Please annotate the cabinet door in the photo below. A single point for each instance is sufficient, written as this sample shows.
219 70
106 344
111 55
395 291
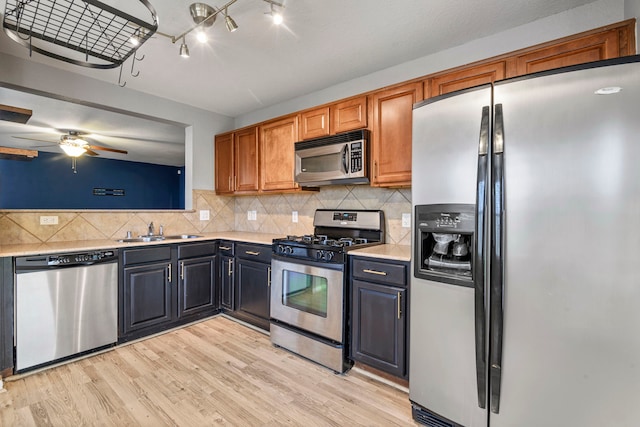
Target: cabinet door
592 47
226 283
224 163
246 160
466 78
253 288
391 135
379 326
314 123
349 115
147 295
196 287
277 163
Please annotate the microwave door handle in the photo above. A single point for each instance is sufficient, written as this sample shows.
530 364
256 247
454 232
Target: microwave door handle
345 152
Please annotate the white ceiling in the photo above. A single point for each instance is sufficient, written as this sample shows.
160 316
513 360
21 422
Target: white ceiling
321 44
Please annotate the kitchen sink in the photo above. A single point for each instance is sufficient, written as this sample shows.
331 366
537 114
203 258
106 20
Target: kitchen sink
157 238
141 239
182 236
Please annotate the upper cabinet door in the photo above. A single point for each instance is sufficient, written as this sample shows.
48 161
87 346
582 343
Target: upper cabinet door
465 78
605 43
246 160
277 155
314 123
391 134
349 115
224 163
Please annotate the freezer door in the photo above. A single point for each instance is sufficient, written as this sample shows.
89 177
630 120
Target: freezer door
571 342
443 370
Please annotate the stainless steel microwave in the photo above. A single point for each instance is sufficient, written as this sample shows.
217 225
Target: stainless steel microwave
331 160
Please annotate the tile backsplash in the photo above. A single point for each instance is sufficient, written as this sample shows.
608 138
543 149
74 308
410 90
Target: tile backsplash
273 215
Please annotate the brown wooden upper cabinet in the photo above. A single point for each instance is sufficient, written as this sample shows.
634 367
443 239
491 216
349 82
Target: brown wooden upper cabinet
605 43
277 154
391 128
465 78
388 114
350 114
236 161
224 163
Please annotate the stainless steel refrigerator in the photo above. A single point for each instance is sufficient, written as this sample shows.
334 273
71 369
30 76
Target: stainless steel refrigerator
525 287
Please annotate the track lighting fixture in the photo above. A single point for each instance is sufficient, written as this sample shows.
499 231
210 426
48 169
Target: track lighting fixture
184 49
204 16
229 22
276 15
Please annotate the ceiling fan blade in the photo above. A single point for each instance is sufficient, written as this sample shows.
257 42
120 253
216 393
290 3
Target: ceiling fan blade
35 139
113 150
91 152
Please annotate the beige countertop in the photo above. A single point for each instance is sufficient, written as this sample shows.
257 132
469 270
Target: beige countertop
89 245
394 252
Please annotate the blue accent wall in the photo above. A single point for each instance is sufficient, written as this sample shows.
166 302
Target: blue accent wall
48 182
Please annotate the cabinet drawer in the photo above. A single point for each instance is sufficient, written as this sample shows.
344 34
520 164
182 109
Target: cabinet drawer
154 254
377 271
196 249
226 247
260 253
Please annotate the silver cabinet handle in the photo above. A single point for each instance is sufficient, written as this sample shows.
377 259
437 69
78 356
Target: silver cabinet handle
269 278
379 273
229 271
169 267
225 248
399 305
182 270
252 253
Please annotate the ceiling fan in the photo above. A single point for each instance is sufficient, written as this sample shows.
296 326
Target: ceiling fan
76 143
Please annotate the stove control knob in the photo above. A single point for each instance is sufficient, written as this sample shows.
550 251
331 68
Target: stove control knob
288 249
329 256
281 248
320 254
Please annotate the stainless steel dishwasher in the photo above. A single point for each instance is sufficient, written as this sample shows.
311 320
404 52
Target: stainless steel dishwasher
66 304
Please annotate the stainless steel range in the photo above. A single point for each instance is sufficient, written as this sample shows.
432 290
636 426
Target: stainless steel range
309 282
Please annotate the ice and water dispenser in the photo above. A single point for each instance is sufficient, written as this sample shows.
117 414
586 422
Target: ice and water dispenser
444 243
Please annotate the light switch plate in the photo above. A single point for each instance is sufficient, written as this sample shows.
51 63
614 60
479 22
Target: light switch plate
406 220
294 216
49 220
204 215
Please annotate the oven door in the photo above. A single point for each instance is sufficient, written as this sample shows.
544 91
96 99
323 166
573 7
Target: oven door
309 296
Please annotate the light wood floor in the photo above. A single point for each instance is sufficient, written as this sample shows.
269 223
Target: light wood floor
216 372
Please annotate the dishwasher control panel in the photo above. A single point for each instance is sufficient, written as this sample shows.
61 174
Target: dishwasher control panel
68 259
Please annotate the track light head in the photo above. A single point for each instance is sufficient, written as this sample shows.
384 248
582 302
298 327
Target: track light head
184 49
229 22
276 15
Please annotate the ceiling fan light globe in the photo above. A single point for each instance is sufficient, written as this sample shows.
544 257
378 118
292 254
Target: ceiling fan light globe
73 150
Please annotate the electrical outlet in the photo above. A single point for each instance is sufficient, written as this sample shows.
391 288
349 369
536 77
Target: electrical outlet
204 215
294 216
406 220
252 215
49 220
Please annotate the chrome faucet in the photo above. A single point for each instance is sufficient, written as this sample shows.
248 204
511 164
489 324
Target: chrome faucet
151 230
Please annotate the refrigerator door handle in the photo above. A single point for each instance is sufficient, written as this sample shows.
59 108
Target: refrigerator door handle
478 270
497 261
